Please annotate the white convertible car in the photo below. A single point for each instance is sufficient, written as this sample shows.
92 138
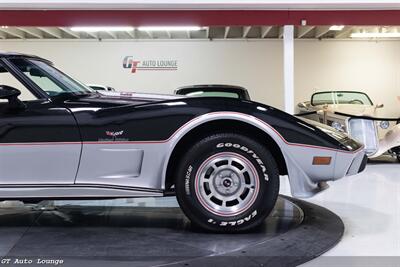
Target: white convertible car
355 113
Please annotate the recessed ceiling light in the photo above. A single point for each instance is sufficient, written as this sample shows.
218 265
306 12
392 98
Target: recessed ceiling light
102 29
336 27
375 35
169 28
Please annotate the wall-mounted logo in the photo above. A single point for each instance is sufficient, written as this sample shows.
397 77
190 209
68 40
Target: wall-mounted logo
150 65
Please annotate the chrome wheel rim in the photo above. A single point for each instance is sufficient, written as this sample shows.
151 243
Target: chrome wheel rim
227 184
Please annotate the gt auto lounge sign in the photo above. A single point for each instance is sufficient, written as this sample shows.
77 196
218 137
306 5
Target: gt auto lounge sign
149 65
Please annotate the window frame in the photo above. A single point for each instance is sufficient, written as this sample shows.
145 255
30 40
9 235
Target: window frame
21 77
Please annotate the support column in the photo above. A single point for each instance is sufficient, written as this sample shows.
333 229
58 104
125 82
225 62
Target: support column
288 67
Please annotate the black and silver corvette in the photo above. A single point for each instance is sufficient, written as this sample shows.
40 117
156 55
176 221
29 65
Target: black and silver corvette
222 157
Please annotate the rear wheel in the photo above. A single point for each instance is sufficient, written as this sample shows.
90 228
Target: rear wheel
227 183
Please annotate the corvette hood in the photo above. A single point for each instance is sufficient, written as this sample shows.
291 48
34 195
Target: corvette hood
114 99
342 137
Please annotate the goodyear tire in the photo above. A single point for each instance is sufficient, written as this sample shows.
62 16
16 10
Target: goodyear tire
227 183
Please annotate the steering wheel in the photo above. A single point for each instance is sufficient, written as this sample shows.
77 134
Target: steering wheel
356 101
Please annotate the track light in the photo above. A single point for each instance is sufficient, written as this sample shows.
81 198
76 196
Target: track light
336 27
169 28
102 29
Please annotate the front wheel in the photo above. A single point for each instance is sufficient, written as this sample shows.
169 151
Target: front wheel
227 183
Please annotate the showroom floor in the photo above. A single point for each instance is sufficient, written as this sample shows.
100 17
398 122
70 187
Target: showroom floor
367 203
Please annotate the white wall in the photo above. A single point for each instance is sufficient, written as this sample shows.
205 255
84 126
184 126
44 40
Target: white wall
372 67
254 65
368 66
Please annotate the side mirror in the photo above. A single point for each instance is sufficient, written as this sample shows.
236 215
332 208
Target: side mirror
11 94
380 105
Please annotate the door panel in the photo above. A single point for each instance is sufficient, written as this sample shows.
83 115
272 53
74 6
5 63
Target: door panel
38 145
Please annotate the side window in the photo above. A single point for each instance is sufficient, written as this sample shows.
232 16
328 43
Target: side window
7 78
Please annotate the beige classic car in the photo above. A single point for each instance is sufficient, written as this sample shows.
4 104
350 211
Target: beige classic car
354 113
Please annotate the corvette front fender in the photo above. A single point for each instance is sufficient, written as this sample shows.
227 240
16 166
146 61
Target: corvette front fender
300 183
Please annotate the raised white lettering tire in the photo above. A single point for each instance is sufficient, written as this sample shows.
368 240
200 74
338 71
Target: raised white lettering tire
227 183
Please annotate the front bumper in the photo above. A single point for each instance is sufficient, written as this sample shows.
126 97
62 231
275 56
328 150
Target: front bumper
358 165
306 178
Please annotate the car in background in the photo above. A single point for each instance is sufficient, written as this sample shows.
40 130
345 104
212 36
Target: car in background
216 90
99 87
354 113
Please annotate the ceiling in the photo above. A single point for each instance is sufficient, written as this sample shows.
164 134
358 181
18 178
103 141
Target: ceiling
201 4
228 32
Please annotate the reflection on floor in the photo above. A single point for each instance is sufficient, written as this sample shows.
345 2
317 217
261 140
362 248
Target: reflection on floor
115 235
369 205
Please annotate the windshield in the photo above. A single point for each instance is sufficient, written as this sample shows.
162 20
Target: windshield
48 78
340 97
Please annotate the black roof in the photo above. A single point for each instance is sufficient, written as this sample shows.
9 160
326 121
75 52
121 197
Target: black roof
16 54
241 91
7 53
213 86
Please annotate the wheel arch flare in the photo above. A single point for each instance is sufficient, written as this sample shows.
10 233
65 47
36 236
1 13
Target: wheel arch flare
301 184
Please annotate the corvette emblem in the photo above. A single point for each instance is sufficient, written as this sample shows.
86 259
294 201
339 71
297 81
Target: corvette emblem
114 134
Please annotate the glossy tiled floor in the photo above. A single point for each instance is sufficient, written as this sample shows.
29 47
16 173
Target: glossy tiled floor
369 205
135 234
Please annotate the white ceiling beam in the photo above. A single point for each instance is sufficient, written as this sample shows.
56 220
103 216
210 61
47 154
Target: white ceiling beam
304 30
246 30
169 34
265 30
94 35
69 32
113 35
32 31
14 32
344 33
208 32
188 34
132 34
227 30
55 32
280 35
150 34
321 31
